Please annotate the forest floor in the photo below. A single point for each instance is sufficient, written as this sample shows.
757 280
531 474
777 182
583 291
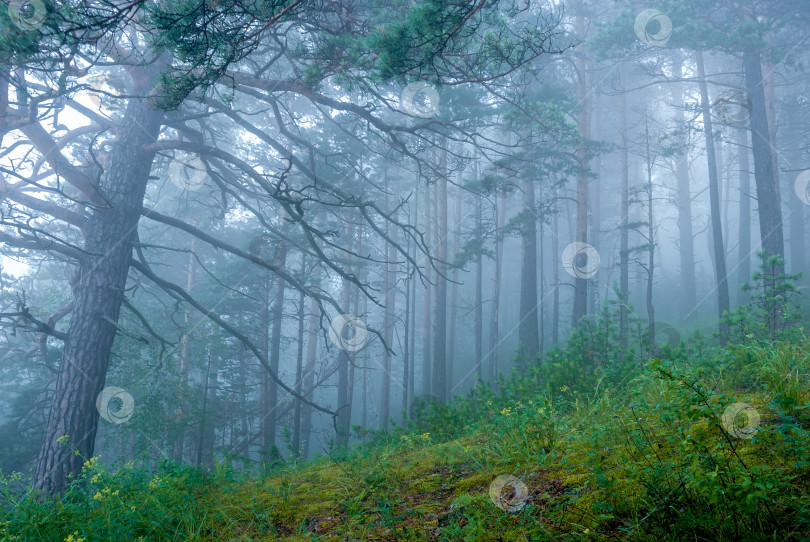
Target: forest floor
714 449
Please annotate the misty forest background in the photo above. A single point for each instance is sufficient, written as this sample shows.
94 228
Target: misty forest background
258 233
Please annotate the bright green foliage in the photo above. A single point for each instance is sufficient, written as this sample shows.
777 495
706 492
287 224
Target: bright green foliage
623 450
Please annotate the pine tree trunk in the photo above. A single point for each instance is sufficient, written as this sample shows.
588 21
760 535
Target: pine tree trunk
714 200
687 293
624 249
185 363
528 327
769 206
440 324
744 267
583 125
98 294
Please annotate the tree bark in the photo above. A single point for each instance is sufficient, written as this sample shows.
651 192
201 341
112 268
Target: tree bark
185 363
714 200
744 268
583 125
769 206
624 249
688 293
98 294
528 328
440 324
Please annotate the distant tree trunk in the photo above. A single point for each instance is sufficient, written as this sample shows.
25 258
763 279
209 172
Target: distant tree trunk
277 318
389 282
796 207
451 333
427 302
265 336
299 366
583 125
769 206
744 268
479 279
596 221
500 215
714 199
624 249
541 308
687 297
440 324
555 270
344 404
185 363
528 327
97 297
650 240
205 448
406 345
313 326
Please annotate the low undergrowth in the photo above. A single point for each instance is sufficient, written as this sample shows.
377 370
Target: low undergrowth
698 444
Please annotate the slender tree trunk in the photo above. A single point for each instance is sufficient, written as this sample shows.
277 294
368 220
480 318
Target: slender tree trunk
624 249
528 327
650 240
583 124
98 293
299 366
769 206
274 355
440 325
205 449
500 214
185 363
389 286
744 268
344 358
309 370
714 199
596 221
479 277
687 294
451 332
427 303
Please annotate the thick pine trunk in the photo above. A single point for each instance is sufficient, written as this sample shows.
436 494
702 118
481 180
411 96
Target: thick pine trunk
98 294
299 367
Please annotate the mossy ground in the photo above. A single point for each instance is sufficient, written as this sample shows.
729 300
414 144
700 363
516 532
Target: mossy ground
651 459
